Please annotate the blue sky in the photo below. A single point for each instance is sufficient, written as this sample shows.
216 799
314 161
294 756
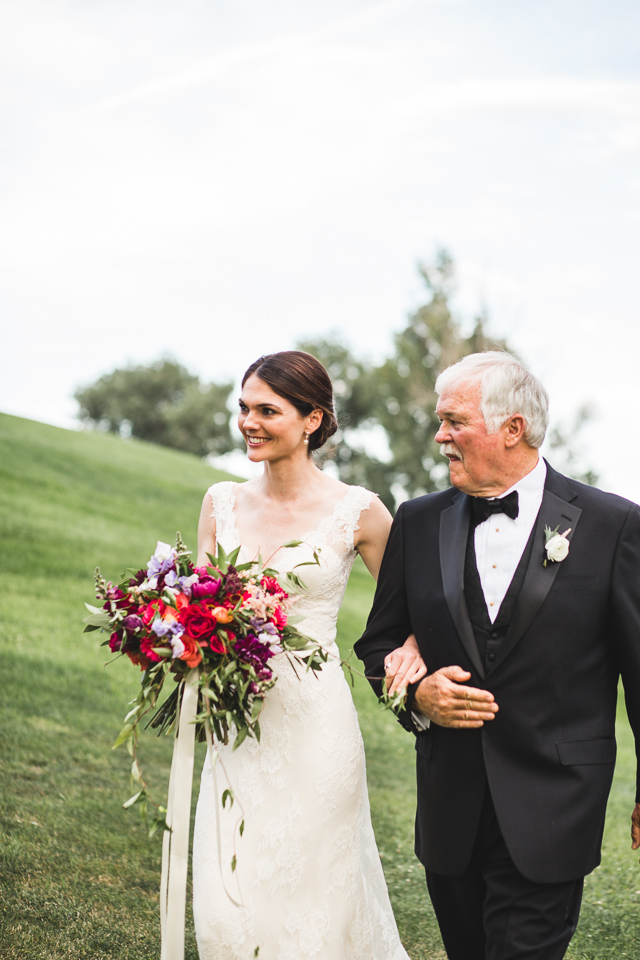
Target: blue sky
217 179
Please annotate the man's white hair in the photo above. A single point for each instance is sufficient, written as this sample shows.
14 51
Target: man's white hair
507 388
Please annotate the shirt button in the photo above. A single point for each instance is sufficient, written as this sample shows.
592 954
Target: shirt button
497 529
495 565
491 604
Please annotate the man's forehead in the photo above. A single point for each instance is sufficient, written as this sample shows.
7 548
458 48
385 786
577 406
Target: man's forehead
463 397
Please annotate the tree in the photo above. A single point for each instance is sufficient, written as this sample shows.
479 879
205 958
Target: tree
565 446
405 397
162 403
350 449
390 408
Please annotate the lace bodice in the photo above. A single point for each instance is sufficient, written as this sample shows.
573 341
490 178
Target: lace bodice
333 540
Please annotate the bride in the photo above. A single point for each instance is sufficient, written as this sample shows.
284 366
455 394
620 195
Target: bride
306 881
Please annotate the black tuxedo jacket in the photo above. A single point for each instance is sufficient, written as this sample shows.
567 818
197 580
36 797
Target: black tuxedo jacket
549 754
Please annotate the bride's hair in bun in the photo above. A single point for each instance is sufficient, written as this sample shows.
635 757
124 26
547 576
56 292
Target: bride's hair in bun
302 380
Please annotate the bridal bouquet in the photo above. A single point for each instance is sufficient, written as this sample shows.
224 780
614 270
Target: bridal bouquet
225 619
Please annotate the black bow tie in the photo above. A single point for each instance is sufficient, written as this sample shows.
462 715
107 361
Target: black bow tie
483 508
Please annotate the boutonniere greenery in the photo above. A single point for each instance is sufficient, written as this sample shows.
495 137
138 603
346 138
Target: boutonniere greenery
556 545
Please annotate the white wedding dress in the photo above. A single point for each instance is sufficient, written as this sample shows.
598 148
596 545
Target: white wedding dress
308 883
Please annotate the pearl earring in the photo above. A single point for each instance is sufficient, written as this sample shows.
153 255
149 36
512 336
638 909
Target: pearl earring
306 438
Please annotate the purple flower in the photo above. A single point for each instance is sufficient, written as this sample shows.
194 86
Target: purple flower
132 623
157 567
206 587
162 561
232 582
255 654
263 626
162 628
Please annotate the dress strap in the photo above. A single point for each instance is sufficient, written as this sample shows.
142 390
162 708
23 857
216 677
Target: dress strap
344 521
223 497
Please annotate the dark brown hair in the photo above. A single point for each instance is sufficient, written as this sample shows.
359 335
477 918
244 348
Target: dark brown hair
304 382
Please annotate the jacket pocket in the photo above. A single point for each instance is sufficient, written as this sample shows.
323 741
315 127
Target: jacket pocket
602 750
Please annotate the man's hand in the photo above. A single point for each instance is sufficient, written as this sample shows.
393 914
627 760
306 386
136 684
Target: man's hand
635 827
444 699
404 665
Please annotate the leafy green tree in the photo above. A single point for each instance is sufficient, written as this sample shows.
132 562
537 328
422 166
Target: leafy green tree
350 449
162 403
405 397
387 412
565 447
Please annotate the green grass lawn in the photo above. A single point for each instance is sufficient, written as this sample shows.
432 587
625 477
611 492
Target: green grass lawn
78 876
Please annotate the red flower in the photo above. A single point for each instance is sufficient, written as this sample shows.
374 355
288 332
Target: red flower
140 659
146 648
148 613
198 622
271 585
216 644
279 618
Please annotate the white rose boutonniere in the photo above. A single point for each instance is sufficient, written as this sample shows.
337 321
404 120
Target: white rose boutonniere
556 545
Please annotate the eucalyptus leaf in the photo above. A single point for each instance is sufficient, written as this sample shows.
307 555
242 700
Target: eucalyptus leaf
242 736
256 708
134 799
124 734
93 609
98 620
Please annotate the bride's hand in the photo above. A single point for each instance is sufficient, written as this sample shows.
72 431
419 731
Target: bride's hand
404 665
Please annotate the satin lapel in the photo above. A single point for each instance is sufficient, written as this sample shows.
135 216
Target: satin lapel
454 530
554 513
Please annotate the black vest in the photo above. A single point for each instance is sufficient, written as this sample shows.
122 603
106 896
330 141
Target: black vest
489 635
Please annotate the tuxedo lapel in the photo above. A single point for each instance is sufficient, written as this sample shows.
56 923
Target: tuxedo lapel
556 512
454 530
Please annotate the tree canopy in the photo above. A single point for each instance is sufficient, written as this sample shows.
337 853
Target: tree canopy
390 407
387 411
162 403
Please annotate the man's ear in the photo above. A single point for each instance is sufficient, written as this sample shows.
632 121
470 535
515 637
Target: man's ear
514 429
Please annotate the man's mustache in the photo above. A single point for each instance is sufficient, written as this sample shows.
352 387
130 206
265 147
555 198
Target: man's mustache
449 450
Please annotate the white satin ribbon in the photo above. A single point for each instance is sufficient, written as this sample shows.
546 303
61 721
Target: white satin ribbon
175 842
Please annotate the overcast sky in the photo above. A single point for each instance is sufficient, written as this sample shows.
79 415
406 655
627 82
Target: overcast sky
213 179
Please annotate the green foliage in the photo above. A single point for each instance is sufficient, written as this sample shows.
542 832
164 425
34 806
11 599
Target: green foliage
398 395
566 453
162 403
392 405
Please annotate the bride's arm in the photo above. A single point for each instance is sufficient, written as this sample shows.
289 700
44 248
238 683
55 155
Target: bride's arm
372 534
403 665
206 532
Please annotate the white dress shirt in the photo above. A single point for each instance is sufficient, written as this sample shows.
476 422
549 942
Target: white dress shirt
500 541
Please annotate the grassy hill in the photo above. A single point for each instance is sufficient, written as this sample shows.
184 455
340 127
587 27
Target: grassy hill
78 877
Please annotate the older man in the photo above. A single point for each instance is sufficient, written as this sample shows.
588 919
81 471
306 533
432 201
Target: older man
523 590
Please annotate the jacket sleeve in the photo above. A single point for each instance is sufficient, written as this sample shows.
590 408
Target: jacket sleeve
625 620
389 623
